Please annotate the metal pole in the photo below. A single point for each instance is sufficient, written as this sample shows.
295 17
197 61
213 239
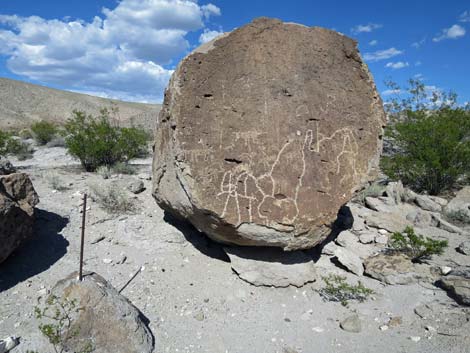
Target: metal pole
80 273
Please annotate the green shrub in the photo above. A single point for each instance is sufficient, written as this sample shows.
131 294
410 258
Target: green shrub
55 181
415 246
123 168
338 290
104 171
112 199
43 131
432 139
97 141
459 216
12 146
56 316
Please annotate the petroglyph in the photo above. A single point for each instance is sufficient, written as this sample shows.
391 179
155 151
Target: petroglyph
268 193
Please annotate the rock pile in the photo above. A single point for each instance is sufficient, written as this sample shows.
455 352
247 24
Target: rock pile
265 133
17 201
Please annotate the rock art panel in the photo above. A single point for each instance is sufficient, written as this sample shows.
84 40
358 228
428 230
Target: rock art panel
265 133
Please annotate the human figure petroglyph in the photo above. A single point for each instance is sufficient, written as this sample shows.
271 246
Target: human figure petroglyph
269 197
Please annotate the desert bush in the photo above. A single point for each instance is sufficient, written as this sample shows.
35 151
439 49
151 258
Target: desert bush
432 138
56 317
97 141
55 181
104 171
416 247
10 145
112 199
123 168
338 290
25 134
373 190
458 216
43 131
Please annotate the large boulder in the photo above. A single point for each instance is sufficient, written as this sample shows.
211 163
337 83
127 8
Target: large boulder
17 201
106 321
265 132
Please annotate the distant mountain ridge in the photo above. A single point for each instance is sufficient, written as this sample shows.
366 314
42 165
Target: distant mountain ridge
22 103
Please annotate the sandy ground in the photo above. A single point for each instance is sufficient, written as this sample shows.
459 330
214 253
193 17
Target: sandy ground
187 289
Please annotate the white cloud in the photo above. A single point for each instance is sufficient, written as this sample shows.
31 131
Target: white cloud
390 92
419 44
208 35
454 32
382 54
373 42
365 28
397 65
465 16
418 63
121 53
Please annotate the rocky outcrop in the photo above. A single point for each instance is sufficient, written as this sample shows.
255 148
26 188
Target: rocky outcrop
106 322
17 201
266 132
457 284
6 167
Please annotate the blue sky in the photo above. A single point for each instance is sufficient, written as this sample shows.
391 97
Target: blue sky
128 49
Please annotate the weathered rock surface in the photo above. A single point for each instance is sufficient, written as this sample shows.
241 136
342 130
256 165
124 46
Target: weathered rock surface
459 206
457 284
265 133
464 247
272 267
395 269
349 260
351 324
6 167
17 201
106 321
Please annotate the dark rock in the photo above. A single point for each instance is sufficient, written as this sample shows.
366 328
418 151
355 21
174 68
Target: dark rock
17 201
266 132
6 167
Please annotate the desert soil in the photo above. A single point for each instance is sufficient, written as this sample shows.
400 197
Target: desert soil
187 289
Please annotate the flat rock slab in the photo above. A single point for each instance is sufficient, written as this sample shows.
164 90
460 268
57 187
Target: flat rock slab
395 269
457 284
106 321
265 132
272 267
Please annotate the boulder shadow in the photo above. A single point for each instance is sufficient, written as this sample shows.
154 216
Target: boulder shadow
199 240
39 253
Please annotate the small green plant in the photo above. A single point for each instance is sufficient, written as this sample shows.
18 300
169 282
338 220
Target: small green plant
123 168
25 134
112 199
43 131
459 216
100 141
56 316
338 290
416 247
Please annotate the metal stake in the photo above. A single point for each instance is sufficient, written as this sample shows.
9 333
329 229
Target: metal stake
80 273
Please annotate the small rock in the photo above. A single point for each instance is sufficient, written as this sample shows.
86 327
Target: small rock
383 231
136 186
97 238
419 218
6 167
199 316
415 338
430 328
107 261
329 249
367 238
427 204
457 284
43 292
464 247
122 259
351 324
445 270
346 239
381 238
395 321
383 328
349 260
395 191
144 176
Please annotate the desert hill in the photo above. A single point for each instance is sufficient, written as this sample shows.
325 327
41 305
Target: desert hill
22 103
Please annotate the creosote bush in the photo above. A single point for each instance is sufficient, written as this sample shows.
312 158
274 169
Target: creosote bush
431 136
10 145
415 246
43 131
98 141
338 290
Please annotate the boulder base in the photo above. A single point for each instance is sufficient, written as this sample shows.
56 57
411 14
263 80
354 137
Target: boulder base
265 133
